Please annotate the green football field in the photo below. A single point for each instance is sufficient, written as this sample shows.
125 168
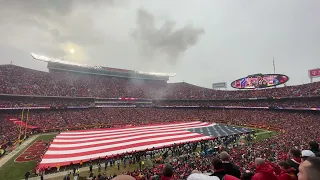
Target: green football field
15 170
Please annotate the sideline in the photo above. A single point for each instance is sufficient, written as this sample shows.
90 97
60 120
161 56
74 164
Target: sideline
63 173
18 149
264 132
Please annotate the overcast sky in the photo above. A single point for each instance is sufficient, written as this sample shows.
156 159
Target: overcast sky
204 41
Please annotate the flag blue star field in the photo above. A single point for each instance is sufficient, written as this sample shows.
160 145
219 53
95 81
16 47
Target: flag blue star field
219 130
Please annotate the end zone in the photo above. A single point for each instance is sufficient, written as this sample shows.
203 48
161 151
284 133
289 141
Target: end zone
33 152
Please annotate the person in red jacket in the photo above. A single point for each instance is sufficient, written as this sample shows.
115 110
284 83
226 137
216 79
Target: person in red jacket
287 172
264 171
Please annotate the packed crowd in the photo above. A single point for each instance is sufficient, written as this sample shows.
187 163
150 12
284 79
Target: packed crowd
43 102
291 102
18 102
296 130
23 81
188 91
275 158
83 118
18 80
104 117
8 131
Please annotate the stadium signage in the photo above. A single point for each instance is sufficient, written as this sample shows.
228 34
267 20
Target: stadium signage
24 108
260 81
314 73
219 85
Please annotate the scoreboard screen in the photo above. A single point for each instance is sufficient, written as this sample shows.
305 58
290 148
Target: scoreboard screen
260 81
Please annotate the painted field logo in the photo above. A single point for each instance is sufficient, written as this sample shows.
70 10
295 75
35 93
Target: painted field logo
33 152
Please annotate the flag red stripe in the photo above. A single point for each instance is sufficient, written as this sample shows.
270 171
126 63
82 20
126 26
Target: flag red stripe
57 142
132 144
89 132
115 141
120 135
66 161
83 145
129 130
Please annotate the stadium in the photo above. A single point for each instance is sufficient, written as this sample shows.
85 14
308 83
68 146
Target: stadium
78 120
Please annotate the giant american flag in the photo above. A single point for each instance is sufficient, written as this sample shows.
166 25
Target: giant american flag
74 146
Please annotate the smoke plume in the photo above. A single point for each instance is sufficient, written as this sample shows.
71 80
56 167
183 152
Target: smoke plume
164 40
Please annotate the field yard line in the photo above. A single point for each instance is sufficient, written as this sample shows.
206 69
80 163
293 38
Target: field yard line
18 149
264 132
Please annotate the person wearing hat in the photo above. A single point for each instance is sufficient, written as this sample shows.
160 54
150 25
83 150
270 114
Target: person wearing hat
199 176
307 153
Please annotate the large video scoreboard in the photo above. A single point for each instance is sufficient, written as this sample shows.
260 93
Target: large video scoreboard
260 81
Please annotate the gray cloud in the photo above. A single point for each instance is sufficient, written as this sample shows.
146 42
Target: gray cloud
58 22
164 40
241 37
55 32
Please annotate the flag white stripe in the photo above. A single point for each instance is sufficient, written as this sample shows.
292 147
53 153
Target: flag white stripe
130 130
134 128
118 144
95 137
78 158
132 136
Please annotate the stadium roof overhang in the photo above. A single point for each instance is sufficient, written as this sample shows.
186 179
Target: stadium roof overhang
67 63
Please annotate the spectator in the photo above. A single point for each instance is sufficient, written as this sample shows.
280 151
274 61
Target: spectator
76 177
219 172
106 164
287 172
167 172
309 169
247 175
27 175
229 167
314 147
199 176
67 177
264 171
23 81
58 167
295 159
41 175
74 170
306 153
99 168
124 177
